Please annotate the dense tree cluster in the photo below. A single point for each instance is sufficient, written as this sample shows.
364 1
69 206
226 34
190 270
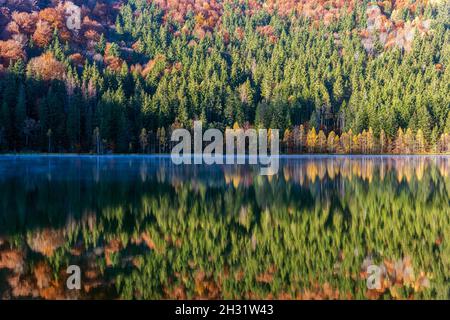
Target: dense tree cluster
408 142
362 77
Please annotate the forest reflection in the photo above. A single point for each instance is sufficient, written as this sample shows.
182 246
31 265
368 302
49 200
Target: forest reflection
141 227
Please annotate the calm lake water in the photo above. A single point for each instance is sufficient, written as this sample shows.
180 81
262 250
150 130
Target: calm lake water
141 227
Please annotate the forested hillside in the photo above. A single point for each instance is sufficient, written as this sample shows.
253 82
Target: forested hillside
340 76
225 233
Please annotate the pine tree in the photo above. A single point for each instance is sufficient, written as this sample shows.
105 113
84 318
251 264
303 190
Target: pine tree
119 27
73 121
20 117
447 124
311 140
434 140
346 144
338 89
143 139
298 139
424 121
6 125
370 141
399 142
420 146
43 122
101 45
161 136
8 101
321 141
408 140
356 144
383 142
287 140
331 142
56 115
97 140
49 135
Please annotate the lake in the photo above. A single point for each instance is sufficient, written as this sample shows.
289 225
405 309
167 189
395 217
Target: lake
140 227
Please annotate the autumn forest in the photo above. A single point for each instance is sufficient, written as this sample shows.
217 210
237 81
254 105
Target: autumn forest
338 76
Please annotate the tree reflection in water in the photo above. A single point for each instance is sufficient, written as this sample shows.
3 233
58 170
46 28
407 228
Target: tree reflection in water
140 227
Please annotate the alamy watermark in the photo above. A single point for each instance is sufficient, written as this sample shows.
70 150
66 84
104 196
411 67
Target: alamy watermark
375 273
74 279
236 141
